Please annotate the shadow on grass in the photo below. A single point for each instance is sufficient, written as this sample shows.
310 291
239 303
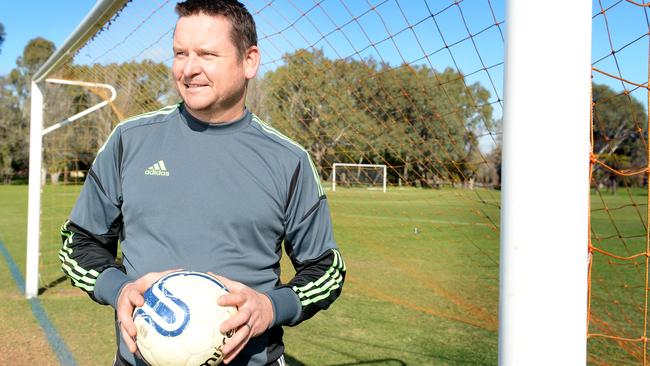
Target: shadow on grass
372 345
290 361
382 361
54 283
386 361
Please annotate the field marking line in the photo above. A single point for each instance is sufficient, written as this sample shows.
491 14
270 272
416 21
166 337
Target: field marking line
427 221
379 294
56 342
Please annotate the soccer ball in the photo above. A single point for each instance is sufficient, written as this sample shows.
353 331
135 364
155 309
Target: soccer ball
179 321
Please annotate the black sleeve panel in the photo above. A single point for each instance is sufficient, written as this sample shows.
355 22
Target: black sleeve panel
309 242
317 282
85 255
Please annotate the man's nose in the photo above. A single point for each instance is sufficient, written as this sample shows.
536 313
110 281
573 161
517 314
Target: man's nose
192 66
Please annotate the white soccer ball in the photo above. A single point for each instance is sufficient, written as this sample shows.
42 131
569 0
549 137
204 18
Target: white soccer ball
179 321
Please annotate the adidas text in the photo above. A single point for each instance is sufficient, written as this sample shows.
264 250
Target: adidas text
158 168
156 172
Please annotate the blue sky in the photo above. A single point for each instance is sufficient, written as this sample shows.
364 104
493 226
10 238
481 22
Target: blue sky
383 37
55 20
27 19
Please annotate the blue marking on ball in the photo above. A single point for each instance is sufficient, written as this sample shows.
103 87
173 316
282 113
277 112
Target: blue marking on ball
159 299
160 307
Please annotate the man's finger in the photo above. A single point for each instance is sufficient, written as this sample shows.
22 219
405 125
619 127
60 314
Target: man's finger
129 326
231 299
130 343
235 344
236 321
135 299
125 312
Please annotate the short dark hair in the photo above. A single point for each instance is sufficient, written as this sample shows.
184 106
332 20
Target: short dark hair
243 34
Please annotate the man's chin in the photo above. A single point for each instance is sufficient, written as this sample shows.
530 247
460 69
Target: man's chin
196 105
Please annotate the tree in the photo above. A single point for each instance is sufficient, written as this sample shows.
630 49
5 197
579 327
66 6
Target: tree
74 146
3 36
429 122
309 98
141 86
619 136
14 104
489 164
35 53
13 134
412 117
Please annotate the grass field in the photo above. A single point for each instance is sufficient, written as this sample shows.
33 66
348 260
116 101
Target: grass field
618 285
422 285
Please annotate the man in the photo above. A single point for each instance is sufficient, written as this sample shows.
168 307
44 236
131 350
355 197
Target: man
206 186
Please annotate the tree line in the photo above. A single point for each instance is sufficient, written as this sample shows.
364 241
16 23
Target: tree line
424 124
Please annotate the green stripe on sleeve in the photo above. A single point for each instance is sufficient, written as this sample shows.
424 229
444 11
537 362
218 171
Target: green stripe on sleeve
81 277
323 287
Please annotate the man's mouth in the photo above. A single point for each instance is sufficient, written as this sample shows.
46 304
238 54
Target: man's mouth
194 85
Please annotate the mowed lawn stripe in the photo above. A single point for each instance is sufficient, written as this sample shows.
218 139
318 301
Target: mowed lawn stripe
58 345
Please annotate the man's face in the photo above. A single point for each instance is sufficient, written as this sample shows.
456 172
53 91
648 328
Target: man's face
208 72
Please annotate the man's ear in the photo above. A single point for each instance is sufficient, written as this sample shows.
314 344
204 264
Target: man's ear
251 62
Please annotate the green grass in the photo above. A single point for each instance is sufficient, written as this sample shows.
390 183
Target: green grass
21 339
422 284
618 298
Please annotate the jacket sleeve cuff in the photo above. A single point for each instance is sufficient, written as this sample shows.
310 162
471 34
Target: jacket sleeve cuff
286 306
108 286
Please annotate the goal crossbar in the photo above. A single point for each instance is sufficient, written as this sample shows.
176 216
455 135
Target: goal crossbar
102 12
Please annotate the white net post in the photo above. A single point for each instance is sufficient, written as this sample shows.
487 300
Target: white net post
36 160
93 22
34 203
544 231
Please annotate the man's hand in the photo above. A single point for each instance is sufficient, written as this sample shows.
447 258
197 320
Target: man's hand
130 297
254 316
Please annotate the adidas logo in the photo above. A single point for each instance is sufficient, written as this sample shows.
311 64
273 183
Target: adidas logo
157 169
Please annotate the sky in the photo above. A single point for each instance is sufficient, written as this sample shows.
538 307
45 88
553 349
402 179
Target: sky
24 20
54 20
350 31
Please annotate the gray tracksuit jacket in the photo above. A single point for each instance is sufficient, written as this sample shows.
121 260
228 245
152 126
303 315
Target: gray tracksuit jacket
180 193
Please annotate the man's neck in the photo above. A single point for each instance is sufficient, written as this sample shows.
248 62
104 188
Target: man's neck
220 117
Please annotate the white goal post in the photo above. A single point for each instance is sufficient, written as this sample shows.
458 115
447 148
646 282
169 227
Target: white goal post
544 232
36 159
360 166
95 19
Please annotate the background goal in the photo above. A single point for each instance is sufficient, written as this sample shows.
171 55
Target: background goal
370 176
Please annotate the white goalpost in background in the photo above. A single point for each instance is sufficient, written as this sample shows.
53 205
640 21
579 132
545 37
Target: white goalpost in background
95 19
380 167
544 231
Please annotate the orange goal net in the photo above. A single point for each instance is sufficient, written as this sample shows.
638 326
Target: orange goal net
619 237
